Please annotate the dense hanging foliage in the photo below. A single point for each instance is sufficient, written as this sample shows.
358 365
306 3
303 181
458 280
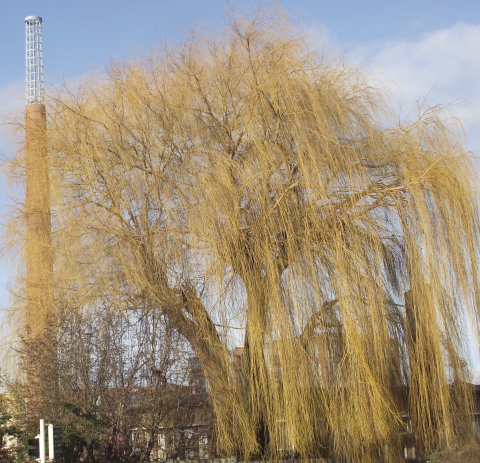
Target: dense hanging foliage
258 191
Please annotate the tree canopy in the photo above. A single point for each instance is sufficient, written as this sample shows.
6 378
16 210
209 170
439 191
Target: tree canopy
257 190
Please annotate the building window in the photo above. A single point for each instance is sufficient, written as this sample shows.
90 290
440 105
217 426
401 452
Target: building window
203 447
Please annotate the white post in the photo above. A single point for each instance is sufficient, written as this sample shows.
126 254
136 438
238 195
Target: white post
51 450
41 446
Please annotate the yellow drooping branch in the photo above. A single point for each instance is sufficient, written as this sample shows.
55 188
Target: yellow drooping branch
259 192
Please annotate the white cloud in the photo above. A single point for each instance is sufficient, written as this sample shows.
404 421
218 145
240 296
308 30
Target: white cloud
443 64
447 58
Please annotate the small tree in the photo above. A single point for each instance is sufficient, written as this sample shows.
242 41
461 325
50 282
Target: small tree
254 190
114 373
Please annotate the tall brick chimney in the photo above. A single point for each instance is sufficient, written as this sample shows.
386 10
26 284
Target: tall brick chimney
39 262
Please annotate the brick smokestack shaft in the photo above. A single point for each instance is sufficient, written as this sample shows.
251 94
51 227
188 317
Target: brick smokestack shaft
39 316
37 202
41 350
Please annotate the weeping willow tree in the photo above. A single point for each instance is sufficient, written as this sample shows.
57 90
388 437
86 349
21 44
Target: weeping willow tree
258 191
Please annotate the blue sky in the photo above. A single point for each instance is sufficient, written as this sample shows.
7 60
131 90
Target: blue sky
79 36
420 44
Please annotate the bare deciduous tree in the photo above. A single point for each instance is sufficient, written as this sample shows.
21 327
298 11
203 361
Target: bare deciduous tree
117 374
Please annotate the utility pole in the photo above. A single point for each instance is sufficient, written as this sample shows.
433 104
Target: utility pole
39 263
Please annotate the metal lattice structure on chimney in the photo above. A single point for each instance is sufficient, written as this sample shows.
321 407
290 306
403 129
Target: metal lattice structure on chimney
33 60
